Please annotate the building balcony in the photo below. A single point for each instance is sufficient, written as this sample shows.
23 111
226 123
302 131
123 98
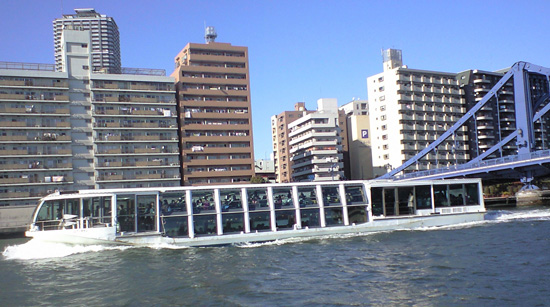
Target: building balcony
485 136
222 138
134 125
214 92
485 126
213 69
217 172
194 57
481 80
217 150
136 100
25 152
213 81
141 177
63 98
189 101
218 127
217 162
33 181
125 113
134 87
35 111
35 167
137 152
34 83
218 116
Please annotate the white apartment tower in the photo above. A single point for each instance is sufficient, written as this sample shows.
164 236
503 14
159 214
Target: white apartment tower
316 145
105 41
411 108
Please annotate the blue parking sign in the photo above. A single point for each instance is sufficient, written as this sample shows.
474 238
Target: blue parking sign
365 133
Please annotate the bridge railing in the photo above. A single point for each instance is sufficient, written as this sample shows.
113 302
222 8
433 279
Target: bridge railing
484 163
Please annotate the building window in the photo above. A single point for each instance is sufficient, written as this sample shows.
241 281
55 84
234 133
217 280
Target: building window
385 146
385 137
382 108
384 127
382 98
386 157
383 117
85 67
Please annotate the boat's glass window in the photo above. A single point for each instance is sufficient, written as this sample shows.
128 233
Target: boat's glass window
472 194
377 201
405 196
72 208
310 217
423 197
357 214
285 219
173 203
331 196
260 221
282 198
355 194
203 201
334 216
257 198
205 224
389 201
230 200
126 212
440 196
100 210
147 205
307 197
232 222
175 226
456 194
50 210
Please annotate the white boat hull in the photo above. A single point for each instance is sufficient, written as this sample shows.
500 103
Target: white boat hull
107 235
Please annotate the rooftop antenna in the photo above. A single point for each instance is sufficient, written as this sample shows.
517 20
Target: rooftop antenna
210 35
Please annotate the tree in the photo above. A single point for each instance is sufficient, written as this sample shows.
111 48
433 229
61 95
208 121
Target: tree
257 179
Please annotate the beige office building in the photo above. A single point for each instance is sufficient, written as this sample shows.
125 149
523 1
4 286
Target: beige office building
359 158
213 92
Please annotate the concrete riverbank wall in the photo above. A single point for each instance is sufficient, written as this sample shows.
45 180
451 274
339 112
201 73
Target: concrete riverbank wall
15 220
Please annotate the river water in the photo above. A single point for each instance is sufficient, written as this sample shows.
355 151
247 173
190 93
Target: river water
504 261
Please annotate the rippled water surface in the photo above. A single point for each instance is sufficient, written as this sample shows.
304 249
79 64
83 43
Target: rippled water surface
501 262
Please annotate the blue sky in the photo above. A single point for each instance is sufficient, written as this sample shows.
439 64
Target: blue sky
300 50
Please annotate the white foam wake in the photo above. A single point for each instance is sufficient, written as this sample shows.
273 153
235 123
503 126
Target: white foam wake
41 250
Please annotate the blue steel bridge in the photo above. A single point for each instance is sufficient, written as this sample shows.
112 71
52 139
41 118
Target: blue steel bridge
521 150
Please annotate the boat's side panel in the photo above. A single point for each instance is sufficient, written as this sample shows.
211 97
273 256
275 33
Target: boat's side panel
100 235
373 226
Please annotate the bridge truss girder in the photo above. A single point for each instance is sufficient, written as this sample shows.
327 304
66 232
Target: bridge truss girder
525 119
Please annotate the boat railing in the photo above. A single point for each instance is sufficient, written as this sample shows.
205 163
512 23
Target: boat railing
73 222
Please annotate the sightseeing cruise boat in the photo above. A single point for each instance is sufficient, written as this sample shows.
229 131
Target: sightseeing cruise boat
231 214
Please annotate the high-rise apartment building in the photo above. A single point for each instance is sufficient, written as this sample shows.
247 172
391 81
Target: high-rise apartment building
316 144
80 129
410 108
281 140
105 42
496 119
213 91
